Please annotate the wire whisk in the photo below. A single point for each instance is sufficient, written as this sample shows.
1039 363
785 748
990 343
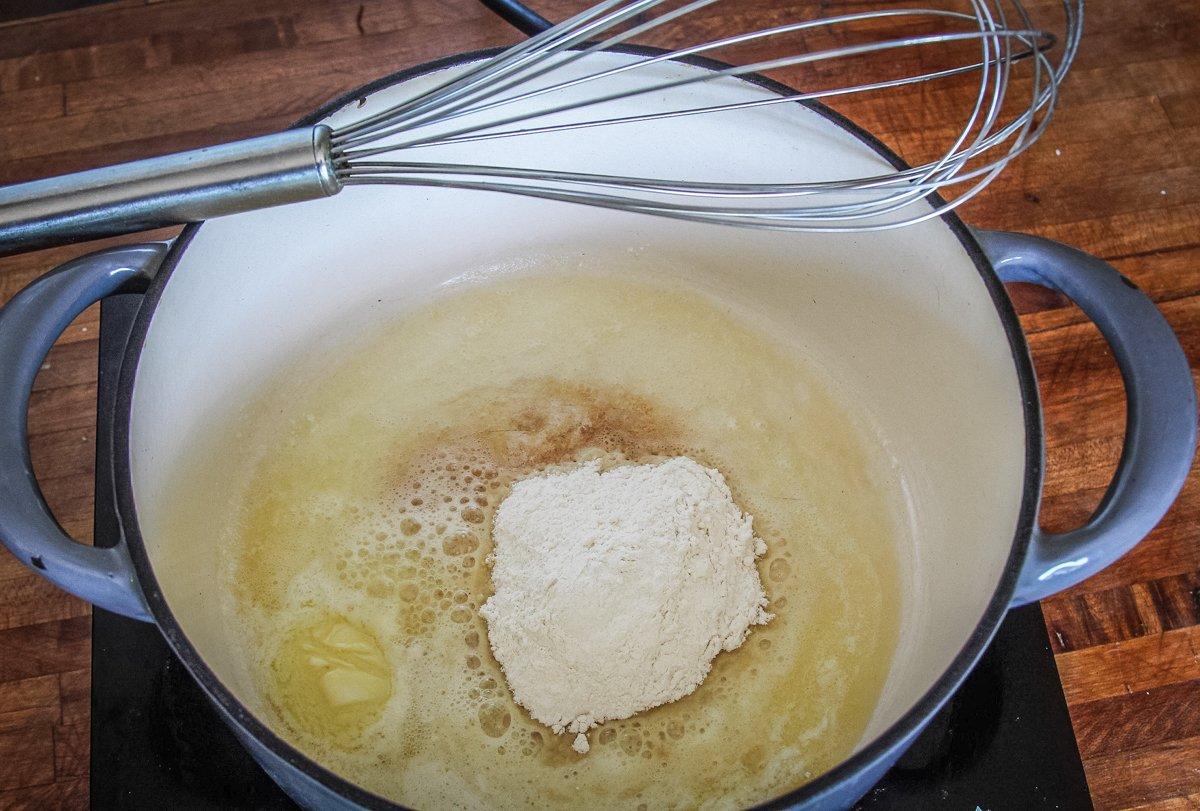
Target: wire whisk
561 80
987 142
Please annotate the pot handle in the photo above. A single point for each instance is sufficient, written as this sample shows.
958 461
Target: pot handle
1160 398
29 325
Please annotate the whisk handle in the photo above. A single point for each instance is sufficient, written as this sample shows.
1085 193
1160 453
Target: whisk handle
270 170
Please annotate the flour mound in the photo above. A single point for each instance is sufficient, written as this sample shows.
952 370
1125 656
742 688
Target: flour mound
614 590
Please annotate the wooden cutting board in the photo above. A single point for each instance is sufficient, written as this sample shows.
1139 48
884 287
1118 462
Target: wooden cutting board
1118 175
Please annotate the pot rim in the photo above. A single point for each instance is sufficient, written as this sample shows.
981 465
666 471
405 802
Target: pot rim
894 738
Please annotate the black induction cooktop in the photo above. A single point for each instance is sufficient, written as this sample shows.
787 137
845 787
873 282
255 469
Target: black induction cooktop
25 9
1004 741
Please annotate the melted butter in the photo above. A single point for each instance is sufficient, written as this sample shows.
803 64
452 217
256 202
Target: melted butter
362 543
331 679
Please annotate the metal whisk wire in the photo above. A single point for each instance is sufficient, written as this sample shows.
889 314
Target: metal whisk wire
560 81
982 148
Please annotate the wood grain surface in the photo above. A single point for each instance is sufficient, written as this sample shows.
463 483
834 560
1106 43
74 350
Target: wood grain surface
1118 175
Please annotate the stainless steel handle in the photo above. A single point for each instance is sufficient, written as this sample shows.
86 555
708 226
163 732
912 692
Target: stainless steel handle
287 167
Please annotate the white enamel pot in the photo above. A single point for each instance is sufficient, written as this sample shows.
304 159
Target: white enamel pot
915 321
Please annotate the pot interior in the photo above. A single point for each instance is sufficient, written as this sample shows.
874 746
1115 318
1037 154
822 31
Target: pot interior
901 321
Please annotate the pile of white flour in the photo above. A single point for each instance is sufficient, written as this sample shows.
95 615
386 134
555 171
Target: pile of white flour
614 590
